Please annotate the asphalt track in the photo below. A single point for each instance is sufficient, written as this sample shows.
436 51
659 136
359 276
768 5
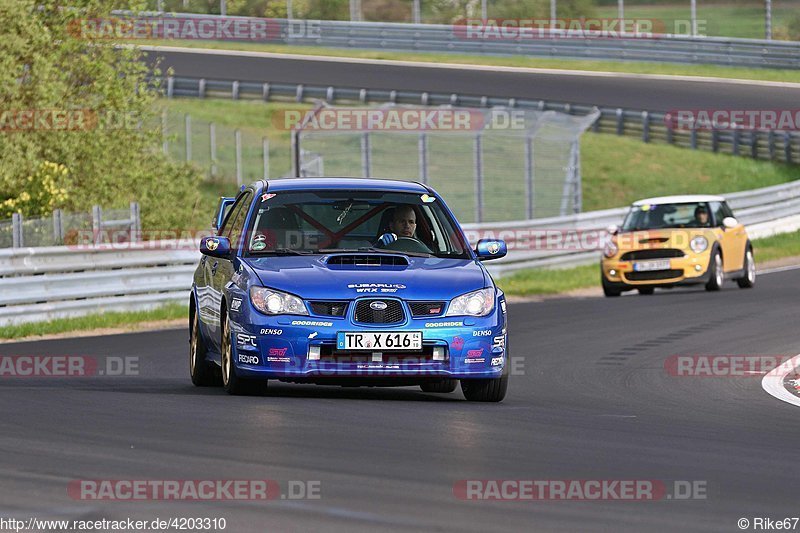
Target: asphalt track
590 400
632 92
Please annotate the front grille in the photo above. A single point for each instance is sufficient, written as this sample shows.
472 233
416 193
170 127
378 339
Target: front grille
338 309
654 275
423 309
661 253
365 314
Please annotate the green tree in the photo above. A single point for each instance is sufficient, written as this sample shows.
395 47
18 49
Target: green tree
54 62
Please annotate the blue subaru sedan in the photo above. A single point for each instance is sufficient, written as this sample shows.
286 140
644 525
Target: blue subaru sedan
346 281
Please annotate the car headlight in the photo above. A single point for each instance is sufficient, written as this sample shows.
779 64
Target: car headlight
477 303
273 302
610 249
698 244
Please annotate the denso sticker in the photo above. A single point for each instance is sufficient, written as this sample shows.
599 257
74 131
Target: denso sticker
443 324
311 323
482 333
236 304
248 359
266 331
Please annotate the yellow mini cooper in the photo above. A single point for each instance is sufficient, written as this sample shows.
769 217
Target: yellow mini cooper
677 240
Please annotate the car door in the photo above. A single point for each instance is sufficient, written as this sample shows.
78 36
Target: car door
732 240
221 269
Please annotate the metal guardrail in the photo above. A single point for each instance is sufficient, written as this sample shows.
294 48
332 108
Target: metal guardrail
645 125
548 43
44 283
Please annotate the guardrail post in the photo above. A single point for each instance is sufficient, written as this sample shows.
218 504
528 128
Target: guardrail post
201 88
187 127
771 144
693 137
329 95
737 137
422 149
362 96
366 155
645 126
97 223
212 147
530 191
136 225
170 86
714 139
478 150
237 135
299 93
265 156
164 138
620 121
754 144
295 153
17 236
235 90
787 147
416 12
58 227
265 92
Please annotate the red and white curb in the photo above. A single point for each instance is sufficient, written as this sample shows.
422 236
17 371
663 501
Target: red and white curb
773 381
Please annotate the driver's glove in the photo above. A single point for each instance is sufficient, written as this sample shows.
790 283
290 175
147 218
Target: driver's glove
387 238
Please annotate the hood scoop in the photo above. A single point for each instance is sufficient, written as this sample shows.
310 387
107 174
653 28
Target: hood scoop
654 240
366 261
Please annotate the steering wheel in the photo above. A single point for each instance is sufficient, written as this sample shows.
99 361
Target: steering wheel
408 244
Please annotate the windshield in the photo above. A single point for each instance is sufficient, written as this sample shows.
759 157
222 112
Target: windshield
657 216
310 222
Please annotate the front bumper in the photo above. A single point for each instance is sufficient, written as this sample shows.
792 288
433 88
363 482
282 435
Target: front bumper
303 348
687 270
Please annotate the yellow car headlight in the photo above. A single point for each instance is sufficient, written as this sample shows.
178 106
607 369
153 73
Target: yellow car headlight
698 244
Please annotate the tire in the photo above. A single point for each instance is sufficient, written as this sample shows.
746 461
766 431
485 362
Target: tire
608 290
443 386
646 290
232 383
202 372
486 390
749 279
716 274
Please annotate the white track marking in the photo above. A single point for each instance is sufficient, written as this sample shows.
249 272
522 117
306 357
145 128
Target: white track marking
459 66
773 381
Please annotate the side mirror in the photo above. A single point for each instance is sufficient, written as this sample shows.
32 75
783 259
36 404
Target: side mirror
225 202
730 222
215 247
491 249
613 229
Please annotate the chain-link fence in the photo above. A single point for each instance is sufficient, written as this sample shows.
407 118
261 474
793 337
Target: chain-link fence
501 164
63 228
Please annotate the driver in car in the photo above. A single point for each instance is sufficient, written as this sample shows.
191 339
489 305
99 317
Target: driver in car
403 224
701 216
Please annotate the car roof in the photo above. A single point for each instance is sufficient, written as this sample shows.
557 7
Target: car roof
680 199
335 183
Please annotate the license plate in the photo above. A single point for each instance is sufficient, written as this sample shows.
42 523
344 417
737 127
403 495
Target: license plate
379 340
647 266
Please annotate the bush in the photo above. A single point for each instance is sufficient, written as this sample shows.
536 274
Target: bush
108 151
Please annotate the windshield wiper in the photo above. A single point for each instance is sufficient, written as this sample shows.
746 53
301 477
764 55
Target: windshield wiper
367 249
283 251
